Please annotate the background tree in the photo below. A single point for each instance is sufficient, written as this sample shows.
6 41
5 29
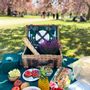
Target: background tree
63 6
75 6
3 6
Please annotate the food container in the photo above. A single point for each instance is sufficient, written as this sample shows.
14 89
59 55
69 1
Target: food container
37 34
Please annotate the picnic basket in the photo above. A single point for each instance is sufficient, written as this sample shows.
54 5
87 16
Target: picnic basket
37 34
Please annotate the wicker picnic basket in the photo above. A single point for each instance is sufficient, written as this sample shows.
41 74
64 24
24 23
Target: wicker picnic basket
37 34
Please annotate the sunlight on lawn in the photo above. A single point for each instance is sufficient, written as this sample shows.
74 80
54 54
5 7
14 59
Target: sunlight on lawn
26 16
20 22
59 22
75 37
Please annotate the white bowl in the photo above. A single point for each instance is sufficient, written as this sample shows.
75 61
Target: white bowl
49 73
32 88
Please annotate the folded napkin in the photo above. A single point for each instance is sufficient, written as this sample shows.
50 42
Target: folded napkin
79 85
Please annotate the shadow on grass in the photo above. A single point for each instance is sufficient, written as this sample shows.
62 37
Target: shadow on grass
75 41
11 40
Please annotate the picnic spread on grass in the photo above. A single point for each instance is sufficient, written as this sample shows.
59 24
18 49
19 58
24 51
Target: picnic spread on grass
40 66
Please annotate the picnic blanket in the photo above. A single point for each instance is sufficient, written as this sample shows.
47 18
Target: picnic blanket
5 84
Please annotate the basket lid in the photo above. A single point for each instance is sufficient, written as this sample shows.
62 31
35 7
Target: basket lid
39 33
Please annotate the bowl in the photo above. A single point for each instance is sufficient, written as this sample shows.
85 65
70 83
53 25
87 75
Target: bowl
13 79
32 88
49 73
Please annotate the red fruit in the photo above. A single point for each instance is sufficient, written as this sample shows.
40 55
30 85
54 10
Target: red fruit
16 88
17 83
35 73
59 89
53 88
28 74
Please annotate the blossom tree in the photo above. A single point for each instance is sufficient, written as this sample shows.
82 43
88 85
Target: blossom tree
3 6
64 6
76 6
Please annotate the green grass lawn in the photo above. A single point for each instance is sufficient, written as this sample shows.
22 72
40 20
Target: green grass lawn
75 37
58 22
25 21
26 16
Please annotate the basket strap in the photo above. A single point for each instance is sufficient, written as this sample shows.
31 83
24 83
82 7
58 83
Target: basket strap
30 46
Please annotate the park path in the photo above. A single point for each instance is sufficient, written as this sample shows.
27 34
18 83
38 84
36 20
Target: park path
20 21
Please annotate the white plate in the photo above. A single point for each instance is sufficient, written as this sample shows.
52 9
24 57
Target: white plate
29 78
49 74
32 88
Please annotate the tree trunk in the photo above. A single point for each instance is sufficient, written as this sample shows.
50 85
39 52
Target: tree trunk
9 11
2 12
88 15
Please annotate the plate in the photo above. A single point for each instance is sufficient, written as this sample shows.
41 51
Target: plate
49 73
30 78
32 88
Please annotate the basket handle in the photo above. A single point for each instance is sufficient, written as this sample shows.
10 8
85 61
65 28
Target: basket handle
30 46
